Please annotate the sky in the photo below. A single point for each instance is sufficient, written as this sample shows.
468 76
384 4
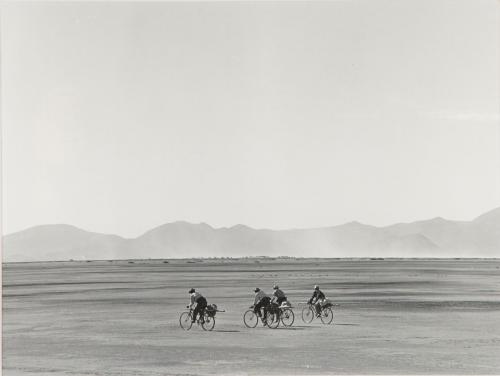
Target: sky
119 117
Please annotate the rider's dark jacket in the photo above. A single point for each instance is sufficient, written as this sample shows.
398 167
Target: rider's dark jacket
259 296
279 293
196 297
317 295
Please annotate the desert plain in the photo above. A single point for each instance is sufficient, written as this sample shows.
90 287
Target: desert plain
120 317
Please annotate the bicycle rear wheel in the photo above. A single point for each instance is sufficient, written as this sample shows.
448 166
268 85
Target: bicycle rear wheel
250 319
208 323
185 321
287 317
327 315
307 314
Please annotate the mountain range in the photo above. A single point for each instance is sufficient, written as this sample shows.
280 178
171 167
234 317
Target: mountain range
435 237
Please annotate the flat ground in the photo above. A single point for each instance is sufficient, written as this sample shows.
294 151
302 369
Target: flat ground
121 318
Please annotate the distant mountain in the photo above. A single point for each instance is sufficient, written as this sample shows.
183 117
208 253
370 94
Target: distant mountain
491 218
436 237
60 242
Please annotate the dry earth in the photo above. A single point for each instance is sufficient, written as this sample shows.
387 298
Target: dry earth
121 318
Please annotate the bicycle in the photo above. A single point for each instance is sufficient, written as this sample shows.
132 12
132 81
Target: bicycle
326 314
207 321
251 319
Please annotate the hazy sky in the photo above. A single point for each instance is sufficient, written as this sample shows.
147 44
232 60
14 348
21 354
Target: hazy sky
118 117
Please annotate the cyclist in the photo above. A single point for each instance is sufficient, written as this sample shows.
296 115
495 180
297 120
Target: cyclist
201 304
261 301
316 299
279 295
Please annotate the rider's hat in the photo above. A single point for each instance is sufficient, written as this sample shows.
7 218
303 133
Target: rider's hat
256 289
191 291
275 287
316 287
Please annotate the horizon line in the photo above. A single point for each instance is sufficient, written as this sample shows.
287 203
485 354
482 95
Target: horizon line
272 258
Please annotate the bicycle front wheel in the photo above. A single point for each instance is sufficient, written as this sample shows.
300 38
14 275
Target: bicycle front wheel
250 319
208 323
273 320
185 321
307 314
287 317
327 315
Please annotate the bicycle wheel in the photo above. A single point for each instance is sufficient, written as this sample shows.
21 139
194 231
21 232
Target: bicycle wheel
250 319
287 317
273 320
327 315
209 323
307 314
185 321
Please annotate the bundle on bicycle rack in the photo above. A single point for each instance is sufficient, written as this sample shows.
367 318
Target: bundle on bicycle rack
326 303
286 304
211 310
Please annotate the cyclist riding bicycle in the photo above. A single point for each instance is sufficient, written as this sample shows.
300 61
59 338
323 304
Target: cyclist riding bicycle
261 301
316 299
201 304
279 295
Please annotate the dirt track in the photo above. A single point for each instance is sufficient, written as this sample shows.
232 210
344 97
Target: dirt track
121 318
